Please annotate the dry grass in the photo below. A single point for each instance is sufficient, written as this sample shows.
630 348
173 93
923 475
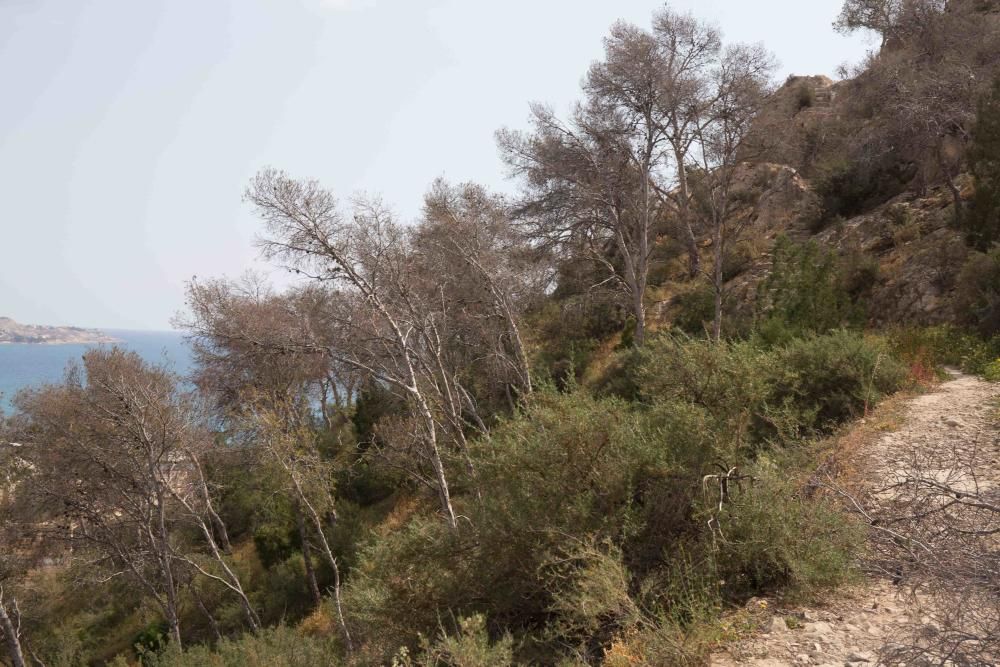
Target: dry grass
845 454
402 511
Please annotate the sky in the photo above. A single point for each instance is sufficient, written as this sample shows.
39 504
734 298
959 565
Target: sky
129 129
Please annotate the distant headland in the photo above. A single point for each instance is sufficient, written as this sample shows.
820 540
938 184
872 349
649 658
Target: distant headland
12 332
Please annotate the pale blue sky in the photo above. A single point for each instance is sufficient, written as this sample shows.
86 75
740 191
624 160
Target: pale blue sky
129 128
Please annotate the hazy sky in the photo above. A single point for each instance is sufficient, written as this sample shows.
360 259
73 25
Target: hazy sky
129 128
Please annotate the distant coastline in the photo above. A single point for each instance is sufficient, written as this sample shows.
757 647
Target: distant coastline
35 334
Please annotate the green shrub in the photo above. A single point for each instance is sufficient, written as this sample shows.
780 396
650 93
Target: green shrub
758 394
662 643
273 647
591 601
153 637
811 290
591 530
730 380
571 468
276 539
469 646
284 594
405 580
848 187
772 537
945 345
977 297
826 380
694 311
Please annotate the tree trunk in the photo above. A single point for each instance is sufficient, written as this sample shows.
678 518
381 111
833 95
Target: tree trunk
10 633
684 213
519 351
327 551
336 578
694 258
307 556
220 529
444 495
640 319
717 239
208 615
173 621
324 407
218 524
231 580
175 624
956 194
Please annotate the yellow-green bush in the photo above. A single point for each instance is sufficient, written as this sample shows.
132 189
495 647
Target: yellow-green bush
773 537
273 647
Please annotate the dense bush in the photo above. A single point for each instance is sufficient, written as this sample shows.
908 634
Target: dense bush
694 311
977 297
812 290
587 495
758 394
273 647
829 379
848 187
469 646
729 380
571 468
771 537
945 345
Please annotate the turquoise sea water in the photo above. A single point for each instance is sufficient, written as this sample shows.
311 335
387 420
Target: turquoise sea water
23 365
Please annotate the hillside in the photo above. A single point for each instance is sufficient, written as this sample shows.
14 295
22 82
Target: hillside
12 332
717 386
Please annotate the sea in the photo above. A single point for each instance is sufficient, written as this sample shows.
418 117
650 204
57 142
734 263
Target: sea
25 364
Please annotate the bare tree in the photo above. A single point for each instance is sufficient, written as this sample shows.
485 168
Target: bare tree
914 100
880 16
660 104
741 81
195 505
289 443
380 327
464 226
250 341
688 49
10 629
114 453
590 183
245 335
921 95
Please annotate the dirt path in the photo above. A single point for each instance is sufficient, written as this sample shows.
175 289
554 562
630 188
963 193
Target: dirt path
950 436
